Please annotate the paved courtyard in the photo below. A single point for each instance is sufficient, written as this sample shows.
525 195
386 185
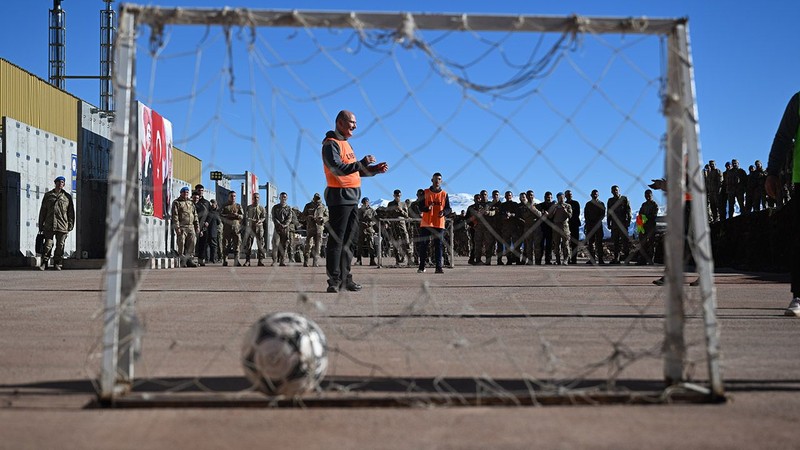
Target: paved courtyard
407 336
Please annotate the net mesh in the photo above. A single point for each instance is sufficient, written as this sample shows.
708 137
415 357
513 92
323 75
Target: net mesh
506 110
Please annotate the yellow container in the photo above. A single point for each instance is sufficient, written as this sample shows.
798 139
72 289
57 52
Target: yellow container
186 167
32 100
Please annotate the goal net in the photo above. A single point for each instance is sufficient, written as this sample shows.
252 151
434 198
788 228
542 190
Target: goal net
506 103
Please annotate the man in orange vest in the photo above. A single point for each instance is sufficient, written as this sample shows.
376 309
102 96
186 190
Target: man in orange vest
435 208
343 174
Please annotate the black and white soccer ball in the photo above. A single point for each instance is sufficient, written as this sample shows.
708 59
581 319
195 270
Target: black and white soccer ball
285 354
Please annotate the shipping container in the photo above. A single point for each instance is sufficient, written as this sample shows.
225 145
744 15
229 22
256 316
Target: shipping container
186 167
33 101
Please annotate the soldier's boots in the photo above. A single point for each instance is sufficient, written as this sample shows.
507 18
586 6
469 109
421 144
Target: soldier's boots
314 263
224 263
44 264
201 262
190 263
237 263
372 261
247 262
260 263
358 261
305 261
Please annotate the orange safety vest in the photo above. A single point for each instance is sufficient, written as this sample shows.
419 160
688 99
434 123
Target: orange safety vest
348 157
434 201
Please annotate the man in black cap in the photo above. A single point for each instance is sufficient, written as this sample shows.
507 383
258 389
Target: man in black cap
56 219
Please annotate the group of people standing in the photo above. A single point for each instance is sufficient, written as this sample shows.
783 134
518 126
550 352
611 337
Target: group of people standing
206 233
727 188
527 233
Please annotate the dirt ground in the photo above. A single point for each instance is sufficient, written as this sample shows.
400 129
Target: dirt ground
486 330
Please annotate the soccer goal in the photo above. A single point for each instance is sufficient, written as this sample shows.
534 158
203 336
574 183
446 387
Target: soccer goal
494 102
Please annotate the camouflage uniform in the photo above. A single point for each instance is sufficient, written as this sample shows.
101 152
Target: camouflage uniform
315 215
510 232
736 182
755 189
496 230
480 225
256 216
56 220
470 222
282 219
647 243
593 213
414 216
398 210
559 214
461 235
713 190
231 216
186 225
531 232
367 219
619 219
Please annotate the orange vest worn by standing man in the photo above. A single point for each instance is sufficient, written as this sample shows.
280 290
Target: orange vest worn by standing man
435 207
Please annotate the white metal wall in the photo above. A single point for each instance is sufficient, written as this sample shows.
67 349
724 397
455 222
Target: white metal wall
39 157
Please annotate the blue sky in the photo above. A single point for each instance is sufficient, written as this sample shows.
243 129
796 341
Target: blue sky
270 123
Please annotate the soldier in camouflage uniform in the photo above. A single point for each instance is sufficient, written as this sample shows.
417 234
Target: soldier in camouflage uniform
186 226
559 214
56 219
531 234
546 242
397 209
619 219
714 190
256 216
574 226
508 231
282 220
471 221
231 216
482 219
461 235
648 213
315 216
496 226
593 213
736 182
367 219
414 215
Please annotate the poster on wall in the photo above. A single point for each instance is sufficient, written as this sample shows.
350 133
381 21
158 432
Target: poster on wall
155 166
253 187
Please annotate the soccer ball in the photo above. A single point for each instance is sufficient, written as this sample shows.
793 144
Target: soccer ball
284 354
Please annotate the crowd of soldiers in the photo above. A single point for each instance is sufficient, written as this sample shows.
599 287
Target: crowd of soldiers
513 231
209 234
735 185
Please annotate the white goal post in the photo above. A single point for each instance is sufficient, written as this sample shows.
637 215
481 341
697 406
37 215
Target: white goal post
683 161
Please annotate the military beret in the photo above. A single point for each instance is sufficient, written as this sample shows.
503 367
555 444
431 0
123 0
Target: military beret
184 189
365 200
59 179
